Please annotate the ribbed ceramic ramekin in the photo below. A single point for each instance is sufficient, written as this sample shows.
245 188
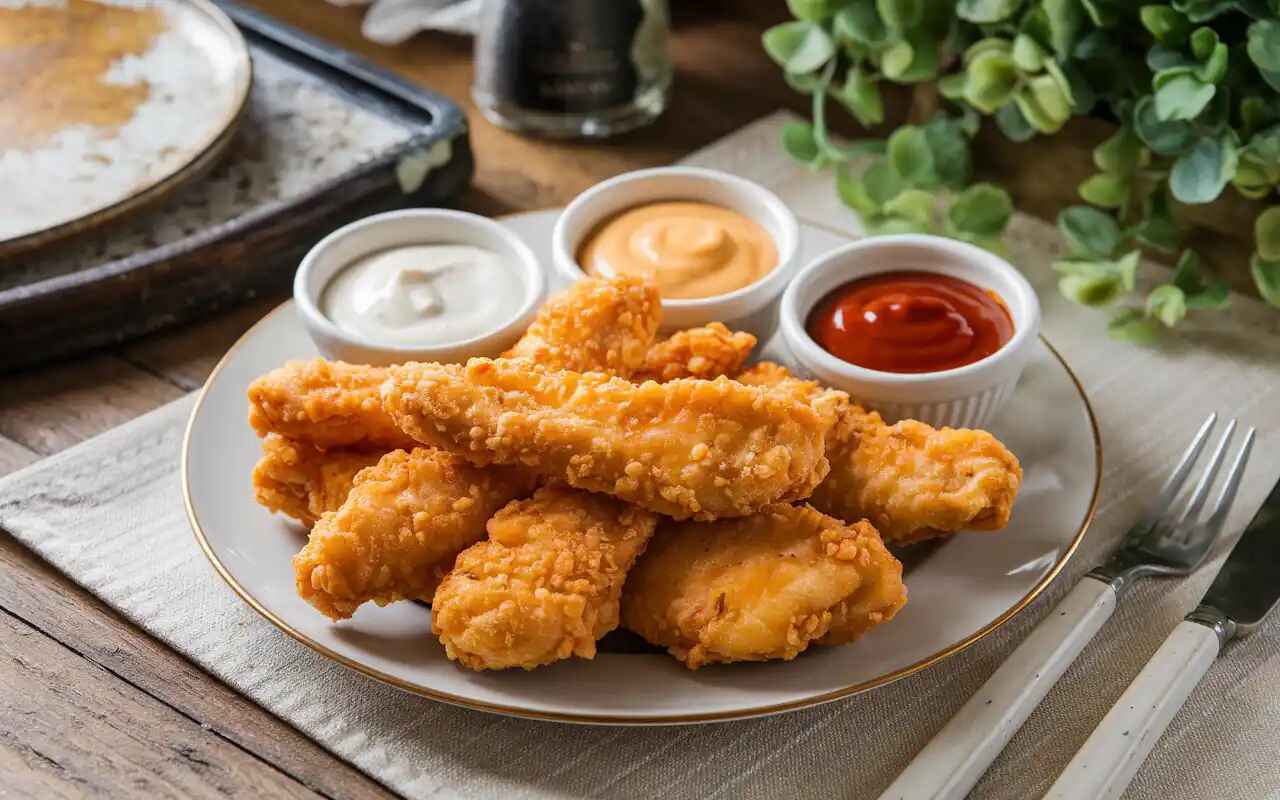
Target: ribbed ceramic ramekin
964 397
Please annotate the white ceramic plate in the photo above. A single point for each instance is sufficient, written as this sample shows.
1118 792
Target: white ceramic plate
959 591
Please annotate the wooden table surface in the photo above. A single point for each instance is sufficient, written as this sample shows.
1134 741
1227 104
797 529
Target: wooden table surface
90 705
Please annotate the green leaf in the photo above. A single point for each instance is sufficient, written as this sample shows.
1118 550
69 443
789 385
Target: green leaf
1214 66
1107 190
1121 153
1013 125
1100 13
1203 10
1044 104
799 46
1180 94
990 80
896 60
814 10
1055 72
1166 137
910 156
1028 55
1266 276
1131 325
1089 291
1266 232
1200 174
900 15
1158 228
952 86
860 22
882 182
1256 113
799 142
924 60
982 210
1170 27
988 45
1089 232
1203 42
805 83
915 205
1168 304
986 11
853 193
1066 21
1264 44
861 95
952 160
1200 293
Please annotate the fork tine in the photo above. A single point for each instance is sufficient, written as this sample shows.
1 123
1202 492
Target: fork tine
1173 484
1218 517
1205 483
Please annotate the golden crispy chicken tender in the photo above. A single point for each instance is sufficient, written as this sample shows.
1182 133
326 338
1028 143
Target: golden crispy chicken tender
326 403
596 324
706 352
761 587
303 482
911 480
687 448
399 530
545 585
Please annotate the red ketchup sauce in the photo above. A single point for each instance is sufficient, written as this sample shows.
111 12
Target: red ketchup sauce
910 322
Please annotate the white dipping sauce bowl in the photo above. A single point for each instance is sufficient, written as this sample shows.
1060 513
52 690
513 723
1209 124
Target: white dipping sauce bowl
415 226
604 200
964 397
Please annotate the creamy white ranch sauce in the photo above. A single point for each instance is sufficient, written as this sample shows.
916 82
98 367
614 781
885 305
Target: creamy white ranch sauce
424 294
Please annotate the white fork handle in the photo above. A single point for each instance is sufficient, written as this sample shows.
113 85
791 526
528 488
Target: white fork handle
1121 742
949 766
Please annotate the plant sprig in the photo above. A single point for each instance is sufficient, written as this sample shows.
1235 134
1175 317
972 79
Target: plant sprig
1194 86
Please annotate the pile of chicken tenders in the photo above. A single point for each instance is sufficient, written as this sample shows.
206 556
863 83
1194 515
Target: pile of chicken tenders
594 476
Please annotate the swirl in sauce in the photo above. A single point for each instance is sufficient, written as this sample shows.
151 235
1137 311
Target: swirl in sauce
688 249
910 322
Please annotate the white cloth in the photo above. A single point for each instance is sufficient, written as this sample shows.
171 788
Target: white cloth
396 21
109 514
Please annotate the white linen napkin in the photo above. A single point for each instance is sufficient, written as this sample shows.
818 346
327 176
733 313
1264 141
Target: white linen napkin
109 514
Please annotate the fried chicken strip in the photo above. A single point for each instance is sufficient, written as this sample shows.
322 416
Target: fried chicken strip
303 482
761 587
400 528
325 403
597 324
706 352
911 480
545 585
687 448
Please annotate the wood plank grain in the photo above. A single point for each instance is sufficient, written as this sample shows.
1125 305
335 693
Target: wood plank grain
52 408
74 729
14 456
40 596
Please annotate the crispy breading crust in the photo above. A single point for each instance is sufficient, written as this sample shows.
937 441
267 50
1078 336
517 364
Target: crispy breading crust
398 531
707 352
545 585
303 482
762 587
912 481
596 324
326 403
687 448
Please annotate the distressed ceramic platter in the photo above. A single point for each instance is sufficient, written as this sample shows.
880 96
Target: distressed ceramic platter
960 591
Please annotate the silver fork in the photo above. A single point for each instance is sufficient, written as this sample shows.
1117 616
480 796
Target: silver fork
1169 539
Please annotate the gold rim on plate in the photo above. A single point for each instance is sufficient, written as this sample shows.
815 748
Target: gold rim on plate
607 719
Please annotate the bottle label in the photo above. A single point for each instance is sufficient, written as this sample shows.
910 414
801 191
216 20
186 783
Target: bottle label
559 55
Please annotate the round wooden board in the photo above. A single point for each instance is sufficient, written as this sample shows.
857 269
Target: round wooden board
111 105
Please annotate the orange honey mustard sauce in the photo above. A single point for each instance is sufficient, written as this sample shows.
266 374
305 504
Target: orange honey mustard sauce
910 322
688 249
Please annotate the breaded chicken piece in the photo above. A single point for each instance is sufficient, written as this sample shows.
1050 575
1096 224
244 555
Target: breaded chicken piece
707 352
396 535
912 481
762 587
296 479
546 583
326 403
687 448
597 324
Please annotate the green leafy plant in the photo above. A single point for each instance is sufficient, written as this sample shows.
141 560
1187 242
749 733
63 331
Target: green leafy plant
1193 87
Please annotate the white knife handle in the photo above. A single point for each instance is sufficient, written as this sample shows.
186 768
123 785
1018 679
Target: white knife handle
1118 746
949 766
